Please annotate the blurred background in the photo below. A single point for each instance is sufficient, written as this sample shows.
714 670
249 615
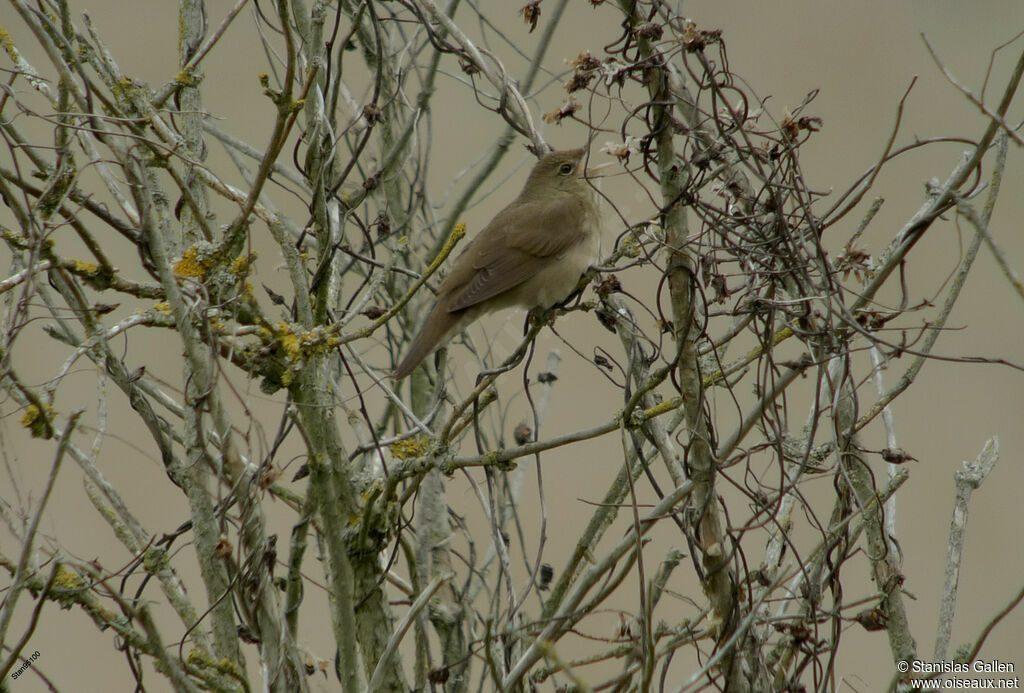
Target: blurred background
860 58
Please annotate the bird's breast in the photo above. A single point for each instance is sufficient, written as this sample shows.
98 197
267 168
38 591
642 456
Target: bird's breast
556 280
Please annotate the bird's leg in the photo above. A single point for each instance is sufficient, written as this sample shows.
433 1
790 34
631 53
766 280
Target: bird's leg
574 298
440 357
541 317
535 320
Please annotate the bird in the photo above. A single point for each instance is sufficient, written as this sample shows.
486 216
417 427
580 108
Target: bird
530 255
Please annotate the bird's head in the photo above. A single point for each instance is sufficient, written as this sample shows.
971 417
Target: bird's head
558 173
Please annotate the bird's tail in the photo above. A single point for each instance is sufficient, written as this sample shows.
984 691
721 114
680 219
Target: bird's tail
437 329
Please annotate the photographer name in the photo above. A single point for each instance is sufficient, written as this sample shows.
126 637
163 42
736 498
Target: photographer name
993 666
25 665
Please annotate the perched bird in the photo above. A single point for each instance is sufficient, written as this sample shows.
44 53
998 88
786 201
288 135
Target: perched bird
531 255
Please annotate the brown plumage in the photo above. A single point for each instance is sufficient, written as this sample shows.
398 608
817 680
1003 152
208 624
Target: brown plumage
531 255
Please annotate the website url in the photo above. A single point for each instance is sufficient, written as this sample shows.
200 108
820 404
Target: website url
957 684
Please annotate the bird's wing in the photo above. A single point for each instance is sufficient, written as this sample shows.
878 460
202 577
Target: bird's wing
524 238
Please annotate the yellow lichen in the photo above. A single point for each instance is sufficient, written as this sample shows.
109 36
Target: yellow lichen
240 267
630 248
37 420
162 307
410 447
189 265
288 340
85 267
67 579
371 493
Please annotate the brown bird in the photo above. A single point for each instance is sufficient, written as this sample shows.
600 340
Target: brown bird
531 255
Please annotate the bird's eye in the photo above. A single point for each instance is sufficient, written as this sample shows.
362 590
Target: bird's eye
565 169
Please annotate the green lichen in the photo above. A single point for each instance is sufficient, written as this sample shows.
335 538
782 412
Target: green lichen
155 560
8 43
199 658
56 192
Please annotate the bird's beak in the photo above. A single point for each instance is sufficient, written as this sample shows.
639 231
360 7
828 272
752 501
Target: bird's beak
595 171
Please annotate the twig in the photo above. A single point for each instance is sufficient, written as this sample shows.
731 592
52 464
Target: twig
19 583
967 479
998 119
402 627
